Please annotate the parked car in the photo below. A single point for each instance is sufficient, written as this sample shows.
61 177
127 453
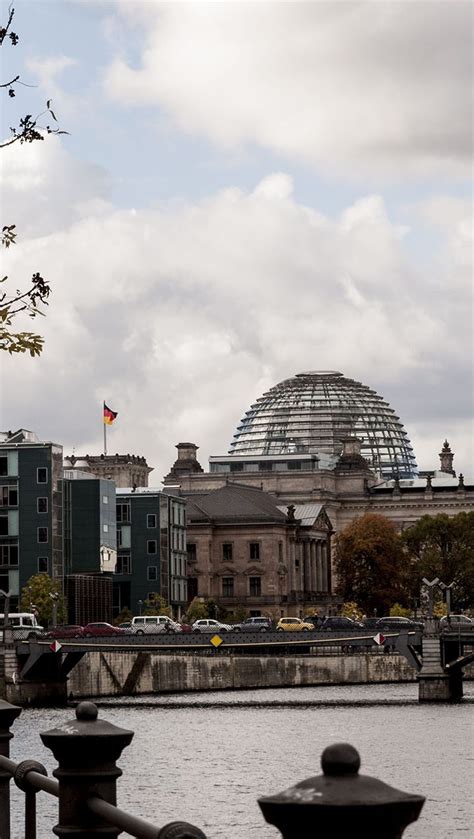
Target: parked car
338 623
294 625
67 630
396 623
255 624
152 624
455 621
210 625
102 628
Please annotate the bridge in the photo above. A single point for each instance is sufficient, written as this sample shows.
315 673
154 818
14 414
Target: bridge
437 657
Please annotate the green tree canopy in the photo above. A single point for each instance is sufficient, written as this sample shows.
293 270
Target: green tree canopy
443 546
371 566
156 605
41 593
197 609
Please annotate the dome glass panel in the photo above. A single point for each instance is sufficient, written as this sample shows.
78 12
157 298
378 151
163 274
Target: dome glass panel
312 412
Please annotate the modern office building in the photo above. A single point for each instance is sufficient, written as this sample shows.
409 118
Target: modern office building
89 524
151 549
31 510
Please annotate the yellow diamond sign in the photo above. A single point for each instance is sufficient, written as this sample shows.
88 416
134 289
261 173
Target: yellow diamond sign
216 641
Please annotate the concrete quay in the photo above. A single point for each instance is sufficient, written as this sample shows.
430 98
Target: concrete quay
130 673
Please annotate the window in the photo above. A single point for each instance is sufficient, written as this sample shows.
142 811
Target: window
41 505
152 573
124 564
3 524
124 536
151 546
9 464
227 586
8 496
105 499
42 534
151 520
42 475
192 553
254 549
9 523
123 512
255 586
42 565
227 551
105 528
280 551
8 554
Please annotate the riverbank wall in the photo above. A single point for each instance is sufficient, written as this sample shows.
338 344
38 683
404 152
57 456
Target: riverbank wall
128 674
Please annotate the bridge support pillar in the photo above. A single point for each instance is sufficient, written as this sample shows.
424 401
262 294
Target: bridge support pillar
435 684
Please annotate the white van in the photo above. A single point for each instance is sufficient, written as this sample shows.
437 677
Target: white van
23 624
151 624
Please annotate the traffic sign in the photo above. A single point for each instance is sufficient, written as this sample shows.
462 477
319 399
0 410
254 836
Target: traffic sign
216 641
379 638
55 647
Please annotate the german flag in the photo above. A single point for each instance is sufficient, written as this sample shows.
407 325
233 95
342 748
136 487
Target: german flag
109 416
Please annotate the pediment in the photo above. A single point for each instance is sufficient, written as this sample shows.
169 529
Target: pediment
323 522
254 571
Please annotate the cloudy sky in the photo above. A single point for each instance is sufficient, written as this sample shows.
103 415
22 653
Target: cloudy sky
248 190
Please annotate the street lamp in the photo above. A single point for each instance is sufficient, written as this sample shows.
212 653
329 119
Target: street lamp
431 586
140 606
447 593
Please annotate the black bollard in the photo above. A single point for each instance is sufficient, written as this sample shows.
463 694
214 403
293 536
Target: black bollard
341 803
86 750
8 714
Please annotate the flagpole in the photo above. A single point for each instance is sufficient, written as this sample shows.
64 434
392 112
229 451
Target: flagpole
105 430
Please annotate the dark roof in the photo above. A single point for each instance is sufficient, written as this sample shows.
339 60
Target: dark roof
236 502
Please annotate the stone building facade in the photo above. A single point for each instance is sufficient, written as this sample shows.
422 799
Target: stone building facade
246 551
126 470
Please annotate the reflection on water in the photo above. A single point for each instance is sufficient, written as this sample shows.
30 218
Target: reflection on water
206 758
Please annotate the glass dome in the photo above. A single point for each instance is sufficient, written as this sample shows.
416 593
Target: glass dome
312 412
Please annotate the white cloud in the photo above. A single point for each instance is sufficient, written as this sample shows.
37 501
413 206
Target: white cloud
179 317
360 88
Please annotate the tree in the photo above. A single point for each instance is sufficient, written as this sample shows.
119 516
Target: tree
443 546
124 616
156 605
370 564
196 610
40 595
35 295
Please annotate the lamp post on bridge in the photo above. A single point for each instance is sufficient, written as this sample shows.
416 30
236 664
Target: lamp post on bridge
447 593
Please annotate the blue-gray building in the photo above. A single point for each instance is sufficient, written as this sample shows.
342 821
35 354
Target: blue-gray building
151 549
31 510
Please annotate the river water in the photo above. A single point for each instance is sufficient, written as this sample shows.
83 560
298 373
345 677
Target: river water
206 758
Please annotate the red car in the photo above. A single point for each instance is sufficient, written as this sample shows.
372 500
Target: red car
102 629
67 630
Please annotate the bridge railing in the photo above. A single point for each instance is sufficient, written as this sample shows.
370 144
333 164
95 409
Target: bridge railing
87 749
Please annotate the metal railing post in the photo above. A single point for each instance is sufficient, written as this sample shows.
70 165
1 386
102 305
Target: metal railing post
8 713
20 777
341 802
86 750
